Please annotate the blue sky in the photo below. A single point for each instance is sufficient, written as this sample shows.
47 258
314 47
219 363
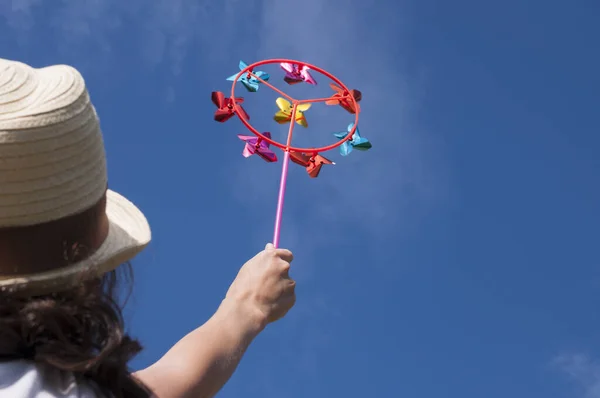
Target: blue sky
458 258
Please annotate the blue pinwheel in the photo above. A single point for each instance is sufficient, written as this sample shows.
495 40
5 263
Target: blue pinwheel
250 82
356 142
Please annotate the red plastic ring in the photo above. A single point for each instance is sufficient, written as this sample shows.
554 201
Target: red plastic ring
251 67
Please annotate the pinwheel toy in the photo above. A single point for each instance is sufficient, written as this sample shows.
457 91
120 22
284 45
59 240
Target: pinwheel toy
227 107
339 98
256 145
284 115
356 142
297 73
248 80
291 112
313 163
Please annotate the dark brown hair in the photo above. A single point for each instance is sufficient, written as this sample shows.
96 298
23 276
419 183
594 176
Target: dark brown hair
79 330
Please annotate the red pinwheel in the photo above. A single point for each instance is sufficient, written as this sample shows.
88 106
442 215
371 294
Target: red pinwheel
225 107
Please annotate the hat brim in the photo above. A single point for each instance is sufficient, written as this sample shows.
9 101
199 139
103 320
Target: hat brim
129 233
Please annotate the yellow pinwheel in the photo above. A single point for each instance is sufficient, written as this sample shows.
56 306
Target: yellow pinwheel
284 115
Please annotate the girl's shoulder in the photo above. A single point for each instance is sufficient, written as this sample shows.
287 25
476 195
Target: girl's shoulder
28 379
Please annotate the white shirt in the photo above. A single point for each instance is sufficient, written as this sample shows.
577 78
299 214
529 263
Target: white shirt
27 379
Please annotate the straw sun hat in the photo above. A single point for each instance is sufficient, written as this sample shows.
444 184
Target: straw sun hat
58 221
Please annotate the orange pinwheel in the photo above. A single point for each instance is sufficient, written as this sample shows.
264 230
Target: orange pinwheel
313 163
341 98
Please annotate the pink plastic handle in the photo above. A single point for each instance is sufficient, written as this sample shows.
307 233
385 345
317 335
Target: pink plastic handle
280 200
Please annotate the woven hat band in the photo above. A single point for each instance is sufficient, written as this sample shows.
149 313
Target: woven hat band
52 245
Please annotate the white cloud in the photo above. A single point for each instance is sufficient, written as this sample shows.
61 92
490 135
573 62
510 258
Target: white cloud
397 180
17 14
160 31
583 371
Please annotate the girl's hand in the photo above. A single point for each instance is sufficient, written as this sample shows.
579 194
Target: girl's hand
263 286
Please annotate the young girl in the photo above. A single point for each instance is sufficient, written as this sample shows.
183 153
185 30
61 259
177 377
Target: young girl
63 235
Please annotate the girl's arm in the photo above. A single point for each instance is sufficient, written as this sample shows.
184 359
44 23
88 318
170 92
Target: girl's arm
204 360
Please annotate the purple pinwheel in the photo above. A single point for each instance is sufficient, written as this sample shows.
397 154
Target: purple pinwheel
257 146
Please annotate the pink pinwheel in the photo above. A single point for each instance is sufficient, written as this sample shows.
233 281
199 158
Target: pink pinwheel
295 73
257 146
